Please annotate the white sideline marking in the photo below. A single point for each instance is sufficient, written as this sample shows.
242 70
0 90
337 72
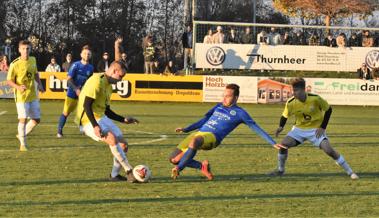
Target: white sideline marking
161 138
3 112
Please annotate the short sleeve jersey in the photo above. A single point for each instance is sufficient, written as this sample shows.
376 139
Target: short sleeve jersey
98 88
23 72
308 114
79 73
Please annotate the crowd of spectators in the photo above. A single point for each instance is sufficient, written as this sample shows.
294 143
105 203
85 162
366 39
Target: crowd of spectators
275 37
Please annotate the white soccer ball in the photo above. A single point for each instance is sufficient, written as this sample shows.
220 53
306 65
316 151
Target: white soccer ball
142 173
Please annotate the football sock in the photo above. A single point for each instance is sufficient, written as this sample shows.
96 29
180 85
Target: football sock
119 154
341 161
116 168
29 126
61 123
282 161
187 157
21 133
194 164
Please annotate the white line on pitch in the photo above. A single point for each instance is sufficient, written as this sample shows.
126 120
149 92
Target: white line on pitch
3 112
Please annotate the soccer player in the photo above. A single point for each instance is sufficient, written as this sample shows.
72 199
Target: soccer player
22 75
212 129
312 115
78 74
95 116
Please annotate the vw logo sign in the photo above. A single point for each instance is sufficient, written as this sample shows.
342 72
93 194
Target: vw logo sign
215 56
372 59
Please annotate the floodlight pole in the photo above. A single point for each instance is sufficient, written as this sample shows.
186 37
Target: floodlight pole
193 63
254 16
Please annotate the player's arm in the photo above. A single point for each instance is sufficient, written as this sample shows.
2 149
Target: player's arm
88 101
283 119
324 106
117 48
11 79
38 80
112 115
199 123
256 128
70 79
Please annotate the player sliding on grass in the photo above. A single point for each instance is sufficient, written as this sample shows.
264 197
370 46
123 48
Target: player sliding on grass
312 115
212 129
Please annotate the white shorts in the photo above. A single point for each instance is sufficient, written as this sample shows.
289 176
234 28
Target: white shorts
301 135
106 125
28 110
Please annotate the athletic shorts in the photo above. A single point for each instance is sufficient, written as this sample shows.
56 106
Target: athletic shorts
28 110
69 105
301 135
106 125
210 141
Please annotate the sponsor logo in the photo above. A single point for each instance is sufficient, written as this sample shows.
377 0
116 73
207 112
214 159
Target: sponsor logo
233 112
372 59
215 56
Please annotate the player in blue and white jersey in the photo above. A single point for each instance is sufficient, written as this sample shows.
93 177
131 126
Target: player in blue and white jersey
212 129
78 74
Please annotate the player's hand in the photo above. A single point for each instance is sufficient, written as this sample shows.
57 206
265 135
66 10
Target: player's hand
280 146
21 88
179 129
278 131
77 91
130 120
118 40
41 89
97 131
320 132
124 147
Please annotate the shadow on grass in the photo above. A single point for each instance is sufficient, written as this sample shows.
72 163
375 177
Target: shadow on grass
190 198
195 179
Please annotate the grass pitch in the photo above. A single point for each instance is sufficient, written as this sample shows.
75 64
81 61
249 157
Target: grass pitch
68 177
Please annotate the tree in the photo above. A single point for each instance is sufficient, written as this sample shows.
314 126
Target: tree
330 9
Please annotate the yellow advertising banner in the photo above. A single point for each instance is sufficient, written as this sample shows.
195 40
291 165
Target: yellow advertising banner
136 87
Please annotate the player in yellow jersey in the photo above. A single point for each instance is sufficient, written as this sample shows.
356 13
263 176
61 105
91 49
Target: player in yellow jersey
312 115
22 75
95 117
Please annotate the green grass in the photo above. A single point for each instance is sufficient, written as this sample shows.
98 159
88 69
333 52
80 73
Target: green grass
68 177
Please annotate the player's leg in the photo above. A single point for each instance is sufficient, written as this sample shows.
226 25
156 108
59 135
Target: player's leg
289 142
35 116
175 156
68 108
340 160
22 115
188 156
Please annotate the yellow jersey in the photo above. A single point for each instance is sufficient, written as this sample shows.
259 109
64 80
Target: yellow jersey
23 72
98 88
308 114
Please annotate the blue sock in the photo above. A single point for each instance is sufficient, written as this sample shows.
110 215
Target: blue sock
62 122
187 157
194 164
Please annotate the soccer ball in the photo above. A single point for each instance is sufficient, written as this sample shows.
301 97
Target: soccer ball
142 173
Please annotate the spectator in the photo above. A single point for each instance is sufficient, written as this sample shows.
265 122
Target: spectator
53 66
354 41
218 37
341 40
149 54
287 39
4 63
170 68
299 39
187 38
274 37
157 67
208 37
104 63
262 38
330 41
125 60
365 73
66 65
145 40
232 37
247 37
314 40
367 39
